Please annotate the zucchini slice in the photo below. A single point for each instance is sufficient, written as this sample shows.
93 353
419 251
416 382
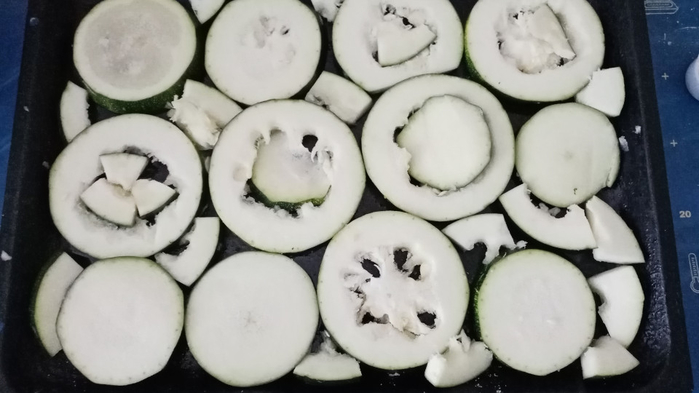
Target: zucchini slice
417 37
200 245
607 358
622 302
606 92
327 364
463 361
74 105
120 320
234 159
243 338
388 164
327 8
392 290
566 153
535 311
78 165
50 291
151 196
134 56
489 229
110 202
539 50
280 40
340 96
205 9
616 242
570 232
123 169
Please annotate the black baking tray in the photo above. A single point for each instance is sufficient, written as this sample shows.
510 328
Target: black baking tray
640 195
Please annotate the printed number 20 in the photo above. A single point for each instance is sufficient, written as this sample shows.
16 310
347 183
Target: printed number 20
685 214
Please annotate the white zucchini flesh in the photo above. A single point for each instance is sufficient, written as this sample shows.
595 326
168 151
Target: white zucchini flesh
129 50
78 165
616 242
201 243
232 166
535 311
327 8
74 105
123 169
327 364
463 361
251 318
205 9
372 302
387 163
566 153
622 302
340 96
606 92
356 32
202 112
516 47
449 143
280 41
285 171
110 202
51 290
120 320
150 196
489 229
396 44
606 358
570 232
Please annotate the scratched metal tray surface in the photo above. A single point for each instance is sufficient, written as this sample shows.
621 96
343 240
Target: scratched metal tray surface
640 196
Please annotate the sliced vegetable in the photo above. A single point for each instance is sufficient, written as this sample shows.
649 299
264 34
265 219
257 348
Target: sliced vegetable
570 232
51 289
280 41
74 105
388 164
616 242
566 153
205 9
606 92
123 169
151 196
120 321
392 290
535 311
110 202
340 96
534 50
622 302
134 56
202 112
606 358
199 247
327 8
327 364
243 338
287 172
449 143
365 35
463 361
489 229
79 164
232 166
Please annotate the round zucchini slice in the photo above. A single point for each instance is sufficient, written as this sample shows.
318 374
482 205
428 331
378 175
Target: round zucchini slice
317 149
538 50
388 164
535 311
251 318
78 166
134 56
392 290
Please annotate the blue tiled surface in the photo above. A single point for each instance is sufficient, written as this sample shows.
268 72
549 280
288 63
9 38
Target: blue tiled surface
12 16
